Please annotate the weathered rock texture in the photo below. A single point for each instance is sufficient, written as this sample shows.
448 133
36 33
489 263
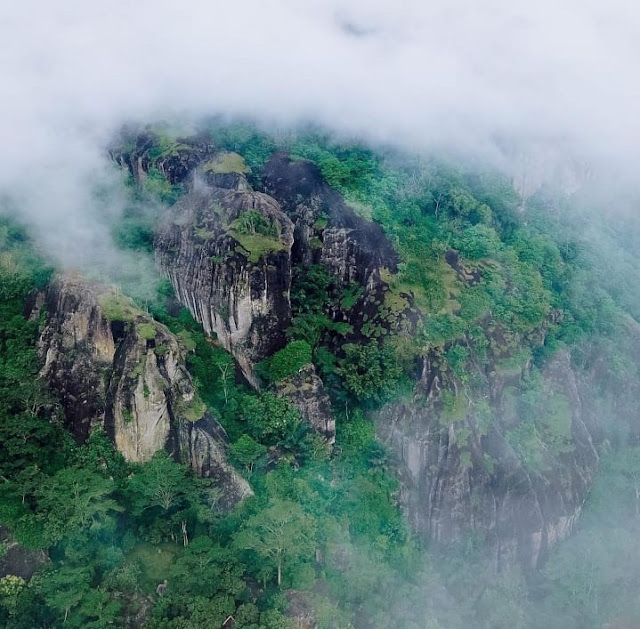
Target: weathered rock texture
112 365
234 276
459 477
305 391
138 152
329 232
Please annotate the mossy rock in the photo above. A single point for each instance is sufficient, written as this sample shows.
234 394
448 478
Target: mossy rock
147 331
194 410
257 245
118 307
226 163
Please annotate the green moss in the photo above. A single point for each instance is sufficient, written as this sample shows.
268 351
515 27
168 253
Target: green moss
118 307
193 411
203 234
454 407
257 245
139 368
321 223
395 303
147 331
227 163
127 415
161 350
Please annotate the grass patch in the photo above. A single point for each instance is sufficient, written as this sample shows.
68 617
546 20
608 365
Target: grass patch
155 562
117 307
227 163
147 331
193 411
257 245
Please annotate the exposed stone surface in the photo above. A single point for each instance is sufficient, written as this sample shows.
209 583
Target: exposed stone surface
236 284
305 391
112 365
137 152
520 512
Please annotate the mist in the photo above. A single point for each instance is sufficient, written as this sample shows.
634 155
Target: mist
501 84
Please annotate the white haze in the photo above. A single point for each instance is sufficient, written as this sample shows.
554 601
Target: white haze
477 77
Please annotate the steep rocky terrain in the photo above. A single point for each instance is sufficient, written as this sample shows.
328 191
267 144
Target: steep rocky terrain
232 255
112 365
306 392
461 476
227 253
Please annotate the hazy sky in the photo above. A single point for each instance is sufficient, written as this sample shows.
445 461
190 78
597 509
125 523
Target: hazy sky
462 74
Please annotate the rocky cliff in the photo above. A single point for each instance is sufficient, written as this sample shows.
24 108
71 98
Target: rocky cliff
473 470
112 365
227 253
470 461
305 391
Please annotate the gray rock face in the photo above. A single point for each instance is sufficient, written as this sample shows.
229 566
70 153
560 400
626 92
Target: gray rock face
112 365
458 478
227 254
305 391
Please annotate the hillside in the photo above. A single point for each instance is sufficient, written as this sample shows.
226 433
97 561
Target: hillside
372 389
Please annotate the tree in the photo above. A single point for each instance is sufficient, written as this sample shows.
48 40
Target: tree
207 569
280 534
160 483
286 362
69 592
246 451
76 498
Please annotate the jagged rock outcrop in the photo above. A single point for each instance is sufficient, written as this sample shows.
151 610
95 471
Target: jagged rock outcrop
305 391
227 253
112 365
462 475
139 151
356 251
327 230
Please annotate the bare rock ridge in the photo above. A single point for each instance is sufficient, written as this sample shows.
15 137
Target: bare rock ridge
458 478
227 253
112 365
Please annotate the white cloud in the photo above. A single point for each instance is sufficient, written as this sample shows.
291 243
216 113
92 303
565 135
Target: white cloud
461 74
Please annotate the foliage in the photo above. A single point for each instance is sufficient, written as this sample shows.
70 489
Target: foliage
286 362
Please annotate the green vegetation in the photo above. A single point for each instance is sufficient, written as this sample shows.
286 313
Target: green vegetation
481 292
257 234
147 331
227 163
286 362
118 307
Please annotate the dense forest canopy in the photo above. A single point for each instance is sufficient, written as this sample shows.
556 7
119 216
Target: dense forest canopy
475 284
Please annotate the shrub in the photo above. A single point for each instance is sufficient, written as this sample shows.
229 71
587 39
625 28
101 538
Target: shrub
286 362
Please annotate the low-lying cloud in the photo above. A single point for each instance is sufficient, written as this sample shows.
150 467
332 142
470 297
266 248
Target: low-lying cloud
478 77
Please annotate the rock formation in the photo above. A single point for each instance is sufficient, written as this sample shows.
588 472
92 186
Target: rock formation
112 365
227 253
460 476
305 391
